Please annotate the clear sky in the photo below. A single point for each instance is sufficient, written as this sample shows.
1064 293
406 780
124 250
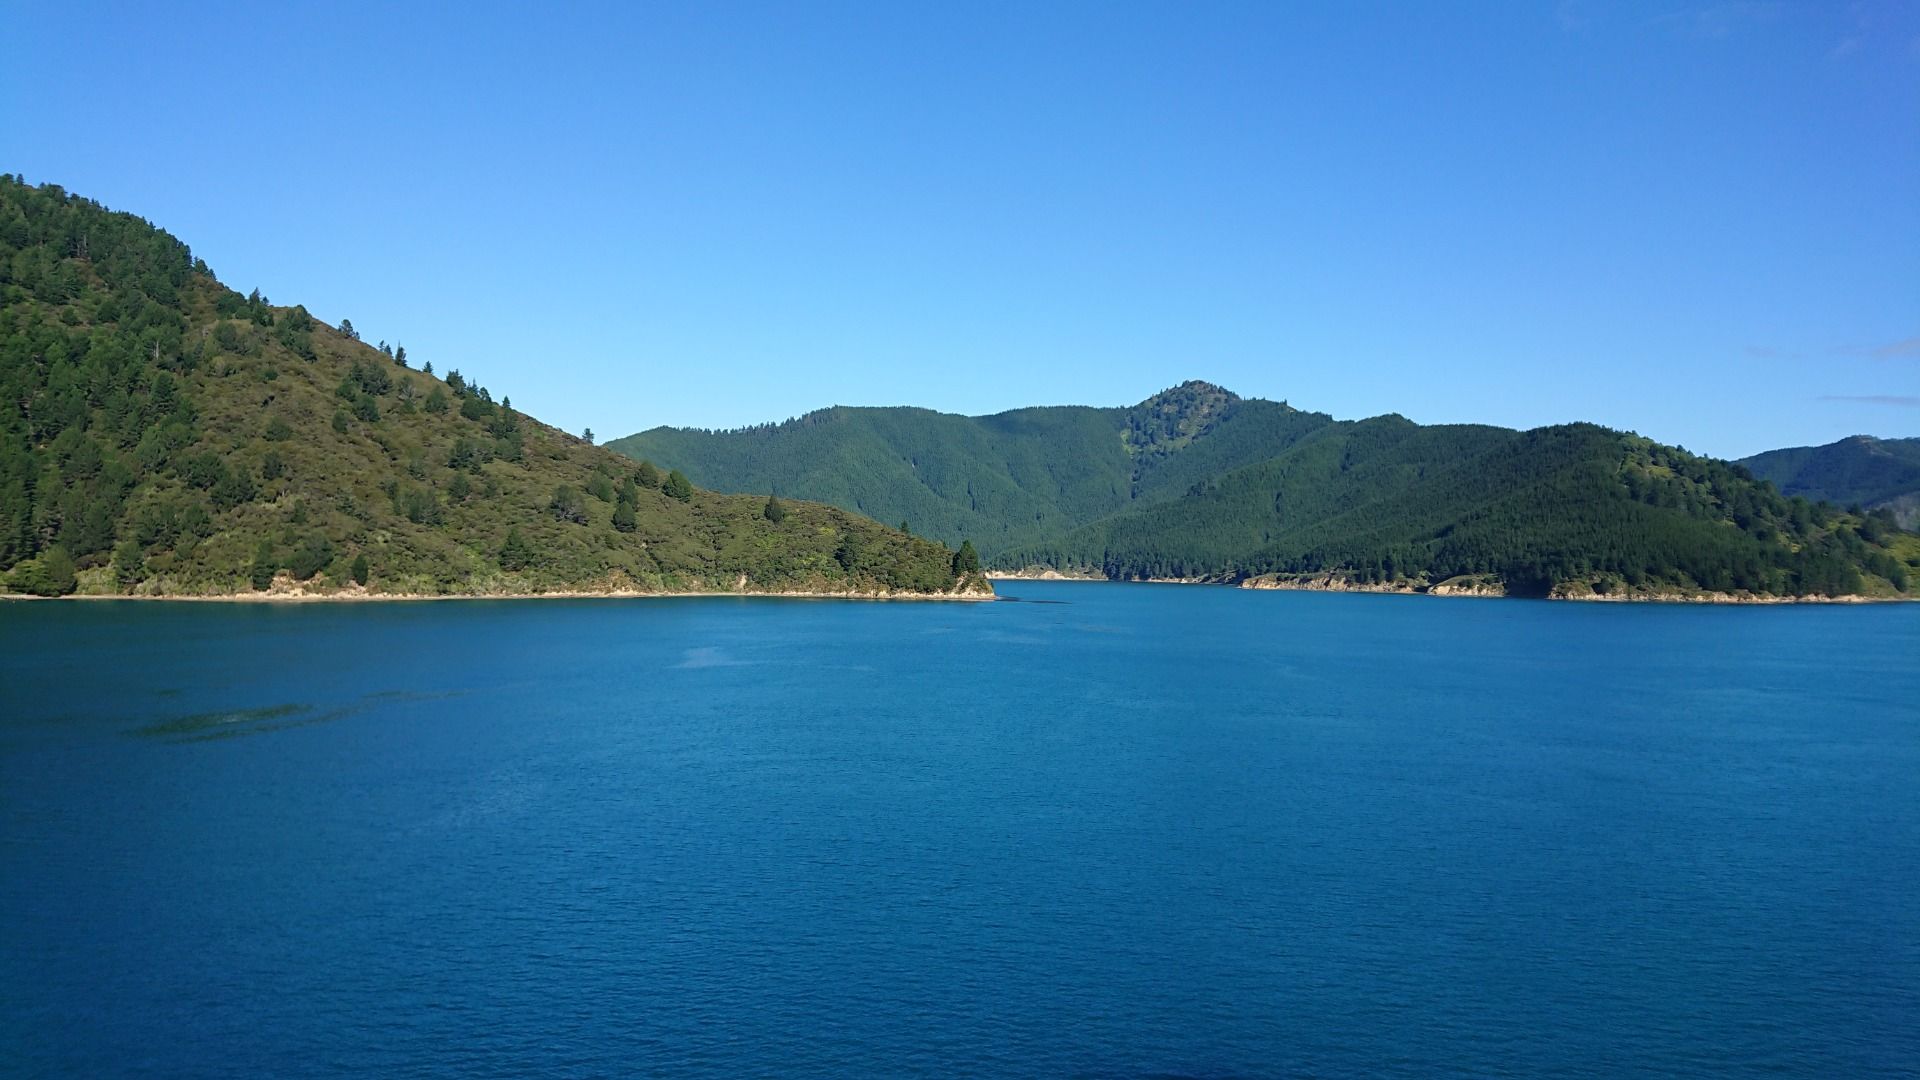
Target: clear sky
1697 221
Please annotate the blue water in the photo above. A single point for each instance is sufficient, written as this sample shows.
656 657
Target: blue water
1112 830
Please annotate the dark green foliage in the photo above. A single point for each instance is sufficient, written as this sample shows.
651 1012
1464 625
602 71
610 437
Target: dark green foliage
516 553
360 570
776 513
1195 482
264 565
157 428
129 564
678 487
646 475
966 560
1000 480
1874 473
567 505
50 574
310 556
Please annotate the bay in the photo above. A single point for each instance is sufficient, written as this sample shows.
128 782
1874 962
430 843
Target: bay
1097 830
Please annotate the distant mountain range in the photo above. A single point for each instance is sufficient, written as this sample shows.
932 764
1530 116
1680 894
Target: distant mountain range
162 435
1199 483
1857 471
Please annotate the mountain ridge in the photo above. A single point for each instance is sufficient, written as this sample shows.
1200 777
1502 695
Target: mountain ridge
1198 482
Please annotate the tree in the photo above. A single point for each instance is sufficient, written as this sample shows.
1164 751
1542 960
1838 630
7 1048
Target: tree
436 400
623 517
600 487
678 486
966 560
347 331
773 511
400 355
516 553
310 556
340 421
849 553
264 565
646 475
360 570
587 436
129 564
905 528
49 575
567 505
427 368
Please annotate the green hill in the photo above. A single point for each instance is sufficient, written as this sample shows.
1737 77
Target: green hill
165 435
1199 483
1857 471
1002 481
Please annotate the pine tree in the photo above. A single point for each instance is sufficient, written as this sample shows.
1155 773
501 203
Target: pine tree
679 487
264 565
360 570
516 553
966 560
773 511
646 475
623 517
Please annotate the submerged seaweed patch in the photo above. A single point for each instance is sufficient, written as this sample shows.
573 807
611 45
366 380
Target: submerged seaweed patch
224 718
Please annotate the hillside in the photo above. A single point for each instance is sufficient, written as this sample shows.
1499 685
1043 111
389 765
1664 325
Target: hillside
1197 482
165 435
1000 481
1858 471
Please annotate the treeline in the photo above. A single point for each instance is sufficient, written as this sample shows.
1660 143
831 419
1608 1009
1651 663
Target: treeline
1386 501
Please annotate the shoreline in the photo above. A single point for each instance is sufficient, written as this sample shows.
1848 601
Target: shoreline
1446 590
375 597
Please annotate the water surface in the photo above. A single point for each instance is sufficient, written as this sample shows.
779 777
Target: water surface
1134 831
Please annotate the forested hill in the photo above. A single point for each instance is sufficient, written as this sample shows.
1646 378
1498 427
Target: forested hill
1001 481
1199 483
1859 471
165 435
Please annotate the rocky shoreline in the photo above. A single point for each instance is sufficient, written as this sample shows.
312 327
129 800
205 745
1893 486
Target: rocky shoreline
1487 588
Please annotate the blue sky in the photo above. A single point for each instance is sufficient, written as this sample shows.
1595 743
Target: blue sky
1701 222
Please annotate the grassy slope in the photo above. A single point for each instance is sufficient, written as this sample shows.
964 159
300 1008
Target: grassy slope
385 489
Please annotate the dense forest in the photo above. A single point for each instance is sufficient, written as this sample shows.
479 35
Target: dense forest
165 435
1196 482
1001 481
1861 471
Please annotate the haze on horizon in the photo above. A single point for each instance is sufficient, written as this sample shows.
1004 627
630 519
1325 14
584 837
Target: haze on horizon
1701 222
